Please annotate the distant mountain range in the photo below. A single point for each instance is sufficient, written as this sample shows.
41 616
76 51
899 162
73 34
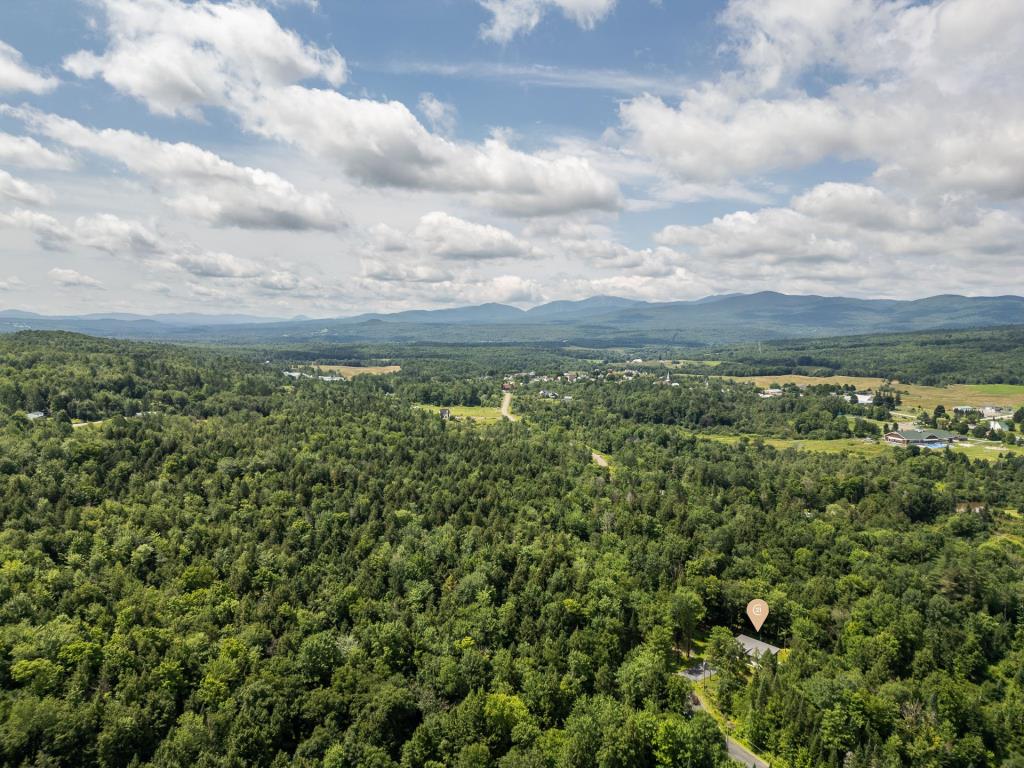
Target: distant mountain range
600 320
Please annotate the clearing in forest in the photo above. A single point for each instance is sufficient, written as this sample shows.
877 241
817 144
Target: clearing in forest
348 371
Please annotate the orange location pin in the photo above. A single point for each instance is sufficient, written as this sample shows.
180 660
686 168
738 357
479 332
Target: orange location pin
757 612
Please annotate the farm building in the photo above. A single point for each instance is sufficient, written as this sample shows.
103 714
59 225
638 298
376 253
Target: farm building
927 438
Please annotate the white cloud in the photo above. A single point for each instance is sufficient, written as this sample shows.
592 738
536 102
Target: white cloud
113 235
420 264
214 264
20 191
69 278
514 17
844 238
202 184
15 76
179 57
26 152
11 283
391 284
131 239
449 237
713 138
49 232
383 144
390 270
440 114
926 124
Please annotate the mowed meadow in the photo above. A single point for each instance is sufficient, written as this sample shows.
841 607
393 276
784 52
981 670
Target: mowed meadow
913 395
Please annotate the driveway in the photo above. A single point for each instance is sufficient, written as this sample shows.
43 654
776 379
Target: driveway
736 751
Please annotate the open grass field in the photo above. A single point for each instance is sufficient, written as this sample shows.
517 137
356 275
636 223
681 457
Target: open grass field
914 395
976 449
482 414
348 371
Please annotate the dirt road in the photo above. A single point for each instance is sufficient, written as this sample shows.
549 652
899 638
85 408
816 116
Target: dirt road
506 407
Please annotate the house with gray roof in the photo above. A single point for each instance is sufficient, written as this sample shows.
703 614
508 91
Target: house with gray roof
756 648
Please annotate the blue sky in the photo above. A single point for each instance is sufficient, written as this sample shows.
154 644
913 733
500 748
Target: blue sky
327 158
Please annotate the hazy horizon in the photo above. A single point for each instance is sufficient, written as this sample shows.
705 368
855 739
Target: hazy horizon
225 312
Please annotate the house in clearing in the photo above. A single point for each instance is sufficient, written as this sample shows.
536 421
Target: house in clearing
756 648
928 438
446 414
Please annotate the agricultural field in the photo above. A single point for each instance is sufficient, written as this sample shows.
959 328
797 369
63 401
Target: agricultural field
913 395
348 371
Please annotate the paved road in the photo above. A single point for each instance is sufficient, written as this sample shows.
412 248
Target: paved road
736 751
742 755
506 407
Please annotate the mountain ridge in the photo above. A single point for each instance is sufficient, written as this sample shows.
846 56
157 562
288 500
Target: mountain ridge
765 315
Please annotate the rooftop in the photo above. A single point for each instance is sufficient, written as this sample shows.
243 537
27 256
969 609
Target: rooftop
926 434
756 647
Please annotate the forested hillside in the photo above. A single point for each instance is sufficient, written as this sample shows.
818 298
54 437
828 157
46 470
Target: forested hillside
935 357
265 571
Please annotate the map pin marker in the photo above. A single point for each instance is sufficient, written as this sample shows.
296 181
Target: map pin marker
757 612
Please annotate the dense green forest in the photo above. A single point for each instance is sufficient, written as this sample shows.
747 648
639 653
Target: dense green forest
235 568
711 405
991 355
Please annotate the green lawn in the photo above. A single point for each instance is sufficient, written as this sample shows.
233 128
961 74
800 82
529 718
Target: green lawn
484 414
989 451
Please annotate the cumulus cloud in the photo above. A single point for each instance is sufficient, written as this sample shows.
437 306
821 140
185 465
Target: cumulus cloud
20 191
401 265
180 57
131 239
69 278
49 232
897 102
389 283
391 271
214 264
15 76
842 237
514 17
200 183
449 237
26 152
